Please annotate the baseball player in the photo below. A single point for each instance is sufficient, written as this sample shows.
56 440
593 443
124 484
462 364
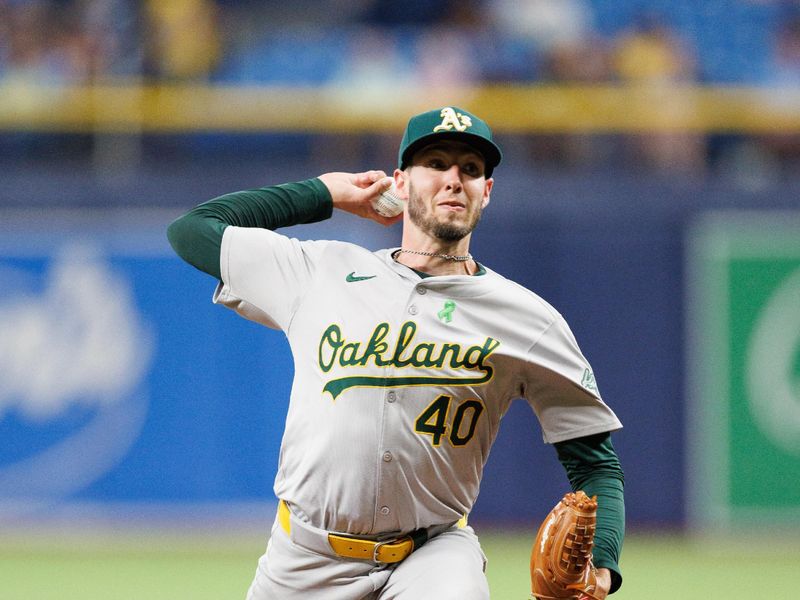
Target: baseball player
405 359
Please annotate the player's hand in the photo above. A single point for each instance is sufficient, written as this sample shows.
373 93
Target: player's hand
603 584
355 192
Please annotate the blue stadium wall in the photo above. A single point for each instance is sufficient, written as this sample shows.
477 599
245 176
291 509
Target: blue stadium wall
186 406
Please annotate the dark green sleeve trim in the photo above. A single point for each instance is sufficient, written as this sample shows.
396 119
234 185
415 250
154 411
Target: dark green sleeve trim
593 466
197 235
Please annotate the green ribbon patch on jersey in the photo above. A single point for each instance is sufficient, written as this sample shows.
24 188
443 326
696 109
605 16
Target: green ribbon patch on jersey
446 314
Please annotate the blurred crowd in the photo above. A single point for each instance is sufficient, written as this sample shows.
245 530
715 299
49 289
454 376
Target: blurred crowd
318 42
305 41
82 41
415 42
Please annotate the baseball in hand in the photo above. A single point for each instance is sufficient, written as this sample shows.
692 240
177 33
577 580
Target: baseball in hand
389 204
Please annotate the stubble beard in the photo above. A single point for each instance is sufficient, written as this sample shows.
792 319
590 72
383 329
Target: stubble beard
427 222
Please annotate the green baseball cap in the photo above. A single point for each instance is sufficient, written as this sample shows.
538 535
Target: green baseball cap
449 122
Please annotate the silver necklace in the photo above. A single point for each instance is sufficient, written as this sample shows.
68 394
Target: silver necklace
444 256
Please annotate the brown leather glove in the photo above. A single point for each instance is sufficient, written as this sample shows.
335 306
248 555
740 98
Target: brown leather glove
561 558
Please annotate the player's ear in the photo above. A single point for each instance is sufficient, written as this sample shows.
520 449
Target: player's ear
487 191
401 183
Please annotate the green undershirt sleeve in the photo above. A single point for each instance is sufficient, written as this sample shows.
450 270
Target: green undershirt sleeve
593 466
197 236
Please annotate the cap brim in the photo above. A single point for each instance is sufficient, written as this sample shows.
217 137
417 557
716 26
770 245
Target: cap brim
490 152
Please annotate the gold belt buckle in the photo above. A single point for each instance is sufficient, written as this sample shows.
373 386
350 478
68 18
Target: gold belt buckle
377 549
400 548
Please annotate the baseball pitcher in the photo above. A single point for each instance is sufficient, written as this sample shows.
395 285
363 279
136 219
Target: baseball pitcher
405 360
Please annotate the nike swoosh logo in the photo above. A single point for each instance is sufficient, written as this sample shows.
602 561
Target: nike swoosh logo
351 277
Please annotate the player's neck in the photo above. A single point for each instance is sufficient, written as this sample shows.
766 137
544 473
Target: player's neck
436 258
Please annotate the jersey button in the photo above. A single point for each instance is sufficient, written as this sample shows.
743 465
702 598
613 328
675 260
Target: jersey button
391 396
385 510
387 457
422 291
412 309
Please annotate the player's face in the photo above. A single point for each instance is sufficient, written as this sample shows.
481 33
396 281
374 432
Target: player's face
447 190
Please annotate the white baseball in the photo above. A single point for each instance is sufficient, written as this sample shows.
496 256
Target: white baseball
389 204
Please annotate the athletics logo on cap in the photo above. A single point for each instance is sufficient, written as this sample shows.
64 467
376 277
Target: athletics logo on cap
453 120
450 122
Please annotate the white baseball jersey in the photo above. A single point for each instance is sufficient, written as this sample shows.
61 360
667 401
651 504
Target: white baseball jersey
400 381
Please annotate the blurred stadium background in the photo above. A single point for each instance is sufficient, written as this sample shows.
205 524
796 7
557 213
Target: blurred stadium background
650 191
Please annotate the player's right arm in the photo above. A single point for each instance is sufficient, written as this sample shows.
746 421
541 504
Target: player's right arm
354 192
197 236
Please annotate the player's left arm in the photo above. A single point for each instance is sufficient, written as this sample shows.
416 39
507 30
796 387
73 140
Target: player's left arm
593 466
